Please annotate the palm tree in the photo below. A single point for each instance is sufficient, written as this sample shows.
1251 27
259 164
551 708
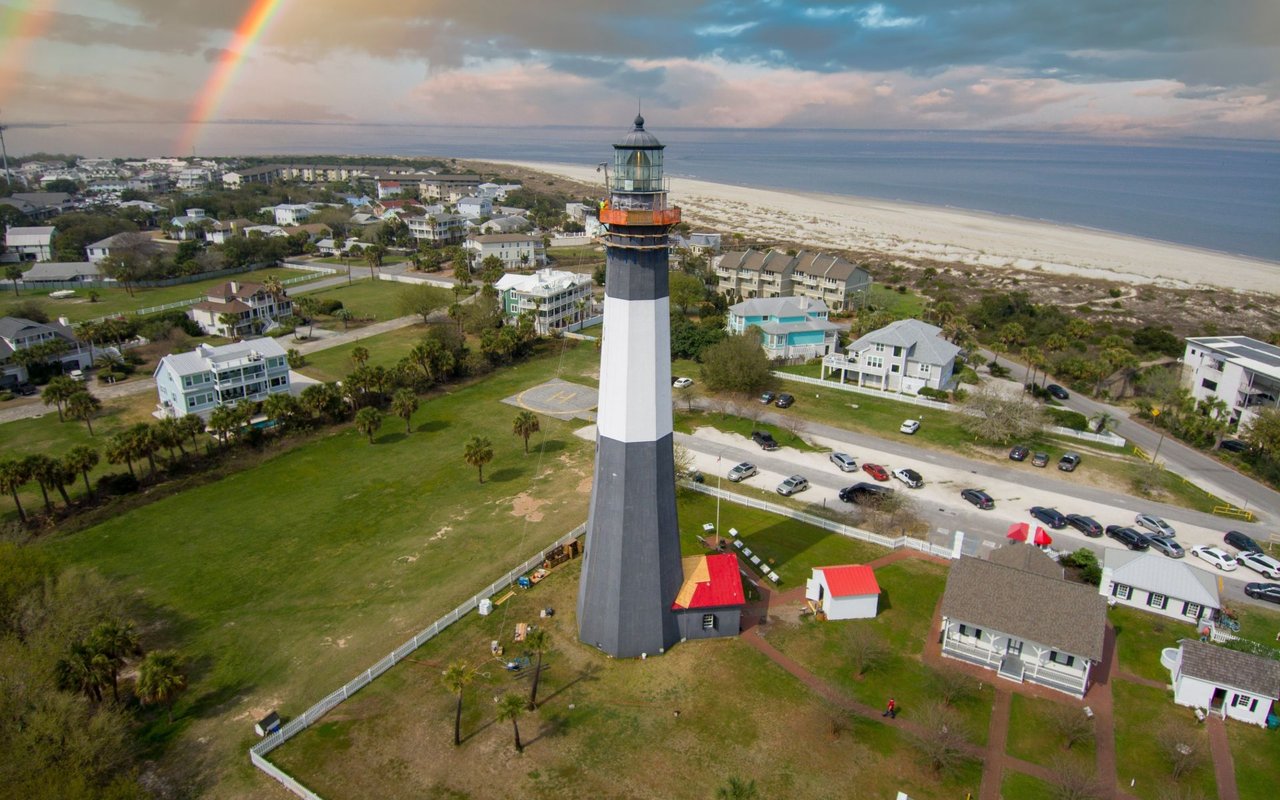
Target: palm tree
403 403
478 452
283 408
345 315
43 469
81 459
368 421
229 322
192 426
1104 421
83 670
145 443
222 421
13 476
539 642
58 390
526 425
510 707
13 272
359 355
115 640
120 451
161 679
308 308
169 434
1034 358
83 406
455 679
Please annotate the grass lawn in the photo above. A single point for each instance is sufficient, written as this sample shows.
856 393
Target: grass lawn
282 581
1140 637
1025 787
1032 736
356 264
366 299
1142 714
45 435
901 304
385 350
689 421
1259 624
910 591
678 725
1255 752
118 301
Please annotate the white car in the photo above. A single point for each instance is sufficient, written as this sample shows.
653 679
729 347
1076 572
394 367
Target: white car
909 476
1154 524
909 426
844 461
1218 557
680 383
1260 563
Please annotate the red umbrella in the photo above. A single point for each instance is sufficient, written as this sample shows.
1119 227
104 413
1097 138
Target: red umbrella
1043 539
1018 531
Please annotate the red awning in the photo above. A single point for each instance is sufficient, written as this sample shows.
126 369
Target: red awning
1018 531
1043 539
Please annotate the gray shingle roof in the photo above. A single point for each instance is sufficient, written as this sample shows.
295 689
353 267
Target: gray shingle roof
1224 667
61 271
1069 616
1155 573
923 341
1027 558
778 307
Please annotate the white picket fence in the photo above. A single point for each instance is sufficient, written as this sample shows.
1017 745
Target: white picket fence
1089 436
258 753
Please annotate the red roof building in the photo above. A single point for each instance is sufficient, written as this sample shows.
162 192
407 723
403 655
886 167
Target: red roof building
709 603
848 591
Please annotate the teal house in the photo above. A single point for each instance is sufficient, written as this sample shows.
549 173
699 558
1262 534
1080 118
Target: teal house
792 328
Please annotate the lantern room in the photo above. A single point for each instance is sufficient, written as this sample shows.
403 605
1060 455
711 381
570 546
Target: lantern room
637 162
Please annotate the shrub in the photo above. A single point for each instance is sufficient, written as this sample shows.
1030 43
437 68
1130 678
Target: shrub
329 306
935 394
1068 418
111 377
6 396
1115 292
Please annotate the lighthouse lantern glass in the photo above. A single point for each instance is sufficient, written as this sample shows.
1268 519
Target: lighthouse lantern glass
637 169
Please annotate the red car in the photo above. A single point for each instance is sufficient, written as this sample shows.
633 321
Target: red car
876 471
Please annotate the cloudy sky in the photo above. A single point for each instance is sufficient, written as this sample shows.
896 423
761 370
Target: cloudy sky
1110 67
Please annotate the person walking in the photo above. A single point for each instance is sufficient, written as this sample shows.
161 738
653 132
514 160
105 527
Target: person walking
891 711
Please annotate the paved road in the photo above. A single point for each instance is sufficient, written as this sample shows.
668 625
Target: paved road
1204 470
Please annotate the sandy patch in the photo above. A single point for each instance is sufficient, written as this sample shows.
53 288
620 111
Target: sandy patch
329 641
407 559
440 534
258 710
584 486
522 505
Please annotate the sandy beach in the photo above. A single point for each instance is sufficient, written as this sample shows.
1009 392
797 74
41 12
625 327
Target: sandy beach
910 232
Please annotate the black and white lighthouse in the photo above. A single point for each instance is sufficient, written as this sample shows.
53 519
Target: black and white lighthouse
632 571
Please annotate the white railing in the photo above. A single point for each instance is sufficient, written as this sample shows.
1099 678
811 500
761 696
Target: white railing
257 753
1104 438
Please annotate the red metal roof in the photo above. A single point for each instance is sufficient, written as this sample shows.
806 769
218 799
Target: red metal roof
850 580
714 581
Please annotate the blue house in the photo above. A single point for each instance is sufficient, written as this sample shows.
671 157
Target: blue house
791 327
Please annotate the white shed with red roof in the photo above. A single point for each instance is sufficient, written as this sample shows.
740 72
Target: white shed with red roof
848 591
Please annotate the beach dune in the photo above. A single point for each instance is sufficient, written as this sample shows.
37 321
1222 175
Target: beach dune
910 231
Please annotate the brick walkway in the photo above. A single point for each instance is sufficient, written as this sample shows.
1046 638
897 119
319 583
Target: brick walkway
1224 769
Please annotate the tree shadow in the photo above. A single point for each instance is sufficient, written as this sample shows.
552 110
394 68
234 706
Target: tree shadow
552 725
549 446
587 675
502 475
432 425
392 438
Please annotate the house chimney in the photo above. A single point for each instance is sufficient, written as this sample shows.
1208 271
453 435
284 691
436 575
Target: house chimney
64 322
235 286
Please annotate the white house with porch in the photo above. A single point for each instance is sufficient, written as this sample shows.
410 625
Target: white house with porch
516 250
849 591
556 298
904 356
1224 682
1018 617
207 377
1159 585
254 307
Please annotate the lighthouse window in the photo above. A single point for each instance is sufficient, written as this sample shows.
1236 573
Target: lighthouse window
708 622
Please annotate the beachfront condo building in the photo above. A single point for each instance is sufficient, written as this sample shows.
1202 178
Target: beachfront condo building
1243 373
747 274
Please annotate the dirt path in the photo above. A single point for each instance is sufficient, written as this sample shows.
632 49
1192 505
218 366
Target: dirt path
1224 769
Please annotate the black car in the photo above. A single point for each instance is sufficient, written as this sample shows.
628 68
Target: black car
1057 392
1086 525
25 389
1263 591
1049 516
978 497
1127 537
1019 452
764 439
1241 542
767 398
864 493
785 400
1234 446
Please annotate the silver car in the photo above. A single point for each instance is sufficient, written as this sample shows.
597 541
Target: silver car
844 461
1154 524
792 485
1166 545
742 471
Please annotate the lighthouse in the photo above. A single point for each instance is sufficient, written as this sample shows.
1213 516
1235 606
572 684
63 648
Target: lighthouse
632 572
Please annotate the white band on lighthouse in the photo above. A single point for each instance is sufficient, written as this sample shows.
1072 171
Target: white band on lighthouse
635 370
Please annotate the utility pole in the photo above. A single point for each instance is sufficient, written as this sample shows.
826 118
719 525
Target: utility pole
8 178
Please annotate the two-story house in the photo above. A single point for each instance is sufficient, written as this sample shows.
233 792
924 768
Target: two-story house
449 188
557 299
63 349
255 309
790 327
475 207
1017 616
516 250
1242 372
904 356
207 377
29 244
438 228
1159 585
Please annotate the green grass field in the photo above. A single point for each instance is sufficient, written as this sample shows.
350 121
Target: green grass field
118 301
283 581
1034 738
366 299
1142 714
677 725
1025 787
901 304
1141 636
385 350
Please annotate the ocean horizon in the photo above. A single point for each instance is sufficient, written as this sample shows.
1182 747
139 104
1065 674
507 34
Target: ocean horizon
1216 194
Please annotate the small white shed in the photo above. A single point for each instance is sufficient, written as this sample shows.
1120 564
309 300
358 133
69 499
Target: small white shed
849 591
1225 682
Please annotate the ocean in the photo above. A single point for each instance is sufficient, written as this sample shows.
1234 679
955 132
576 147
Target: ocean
1217 194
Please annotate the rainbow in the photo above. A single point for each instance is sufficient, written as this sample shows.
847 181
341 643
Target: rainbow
247 31
21 23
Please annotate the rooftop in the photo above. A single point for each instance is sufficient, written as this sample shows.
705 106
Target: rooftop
710 582
206 358
1155 573
1233 668
924 342
849 580
1249 353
